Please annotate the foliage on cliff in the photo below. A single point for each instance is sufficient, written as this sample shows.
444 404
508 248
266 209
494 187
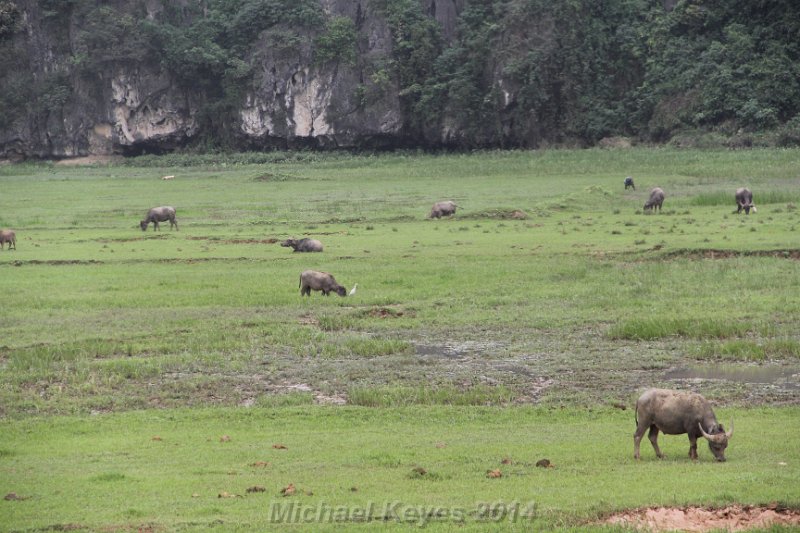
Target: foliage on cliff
515 72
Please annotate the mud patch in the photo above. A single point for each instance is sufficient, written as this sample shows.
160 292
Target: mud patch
786 378
533 390
57 262
499 214
386 312
130 239
319 397
308 320
727 254
733 518
455 350
234 241
277 176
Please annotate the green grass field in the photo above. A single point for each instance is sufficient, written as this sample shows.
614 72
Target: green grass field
109 472
111 335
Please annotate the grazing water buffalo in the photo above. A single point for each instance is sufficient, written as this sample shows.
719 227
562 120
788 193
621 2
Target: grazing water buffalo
675 413
655 200
303 245
159 214
629 183
319 281
443 209
8 236
744 200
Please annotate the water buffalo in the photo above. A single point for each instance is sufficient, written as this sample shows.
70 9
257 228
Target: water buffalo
443 209
655 200
629 183
675 413
303 245
159 214
744 200
8 236
319 281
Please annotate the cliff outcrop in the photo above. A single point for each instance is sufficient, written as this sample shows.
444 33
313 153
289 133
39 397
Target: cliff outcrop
80 77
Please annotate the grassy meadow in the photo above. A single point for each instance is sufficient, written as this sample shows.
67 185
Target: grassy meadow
519 328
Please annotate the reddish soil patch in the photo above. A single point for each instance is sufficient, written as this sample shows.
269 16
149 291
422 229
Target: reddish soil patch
733 518
383 312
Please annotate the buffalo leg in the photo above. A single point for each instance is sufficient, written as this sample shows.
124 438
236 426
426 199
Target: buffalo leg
693 448
637 439
653 436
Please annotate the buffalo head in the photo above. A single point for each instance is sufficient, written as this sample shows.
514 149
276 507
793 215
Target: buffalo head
717 440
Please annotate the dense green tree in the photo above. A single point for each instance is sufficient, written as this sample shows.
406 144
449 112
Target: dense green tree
514 72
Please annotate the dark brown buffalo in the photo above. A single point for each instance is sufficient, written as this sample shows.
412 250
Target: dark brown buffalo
744 200
303 245
629 183
677 412
8 236
319 281
159 214
443 209
655 200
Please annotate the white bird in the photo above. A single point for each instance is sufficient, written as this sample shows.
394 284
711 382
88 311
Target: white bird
353 290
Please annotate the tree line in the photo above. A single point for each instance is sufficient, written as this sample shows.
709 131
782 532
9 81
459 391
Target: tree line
514 73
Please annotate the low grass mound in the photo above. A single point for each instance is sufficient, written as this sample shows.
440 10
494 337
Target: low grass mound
773 196
749 350
398 395
661 328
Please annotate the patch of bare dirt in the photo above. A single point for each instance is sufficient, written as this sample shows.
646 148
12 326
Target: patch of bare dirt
58 262
385 312
733 518
234 241
501 214
727 254
276 176
308 320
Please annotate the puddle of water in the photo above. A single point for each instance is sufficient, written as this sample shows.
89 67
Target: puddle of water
781 376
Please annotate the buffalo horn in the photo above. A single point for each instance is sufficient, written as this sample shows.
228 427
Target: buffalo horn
714 438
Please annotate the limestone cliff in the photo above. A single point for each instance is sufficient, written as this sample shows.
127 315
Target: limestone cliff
134 104
83 77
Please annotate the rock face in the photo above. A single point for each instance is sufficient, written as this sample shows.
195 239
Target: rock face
88 78
137 106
